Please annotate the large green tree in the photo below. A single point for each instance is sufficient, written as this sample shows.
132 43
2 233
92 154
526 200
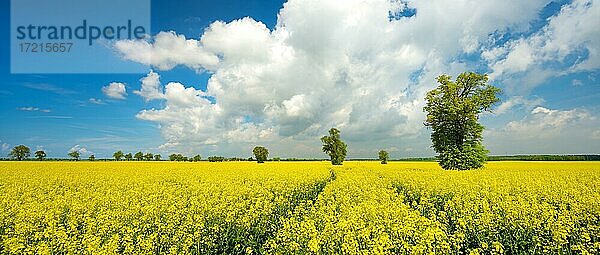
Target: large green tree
260 153
20 152
453 110
334 147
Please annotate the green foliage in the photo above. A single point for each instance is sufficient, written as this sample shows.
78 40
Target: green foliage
334 147
40 155
92 157
216 159
197 158
149 156
128 156
20 152
139 155
157 157
545 158
118 155
177 157
383 156
260 153
470 157
75 155
453 110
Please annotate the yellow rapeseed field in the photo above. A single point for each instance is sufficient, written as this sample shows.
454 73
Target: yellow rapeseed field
298 208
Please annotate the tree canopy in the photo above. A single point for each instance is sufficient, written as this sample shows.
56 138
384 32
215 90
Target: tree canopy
177 157
75 155
139 155
260 153
383 156
20 152
197 158
453 110
148 156
118 155
334 147
40 155
216 159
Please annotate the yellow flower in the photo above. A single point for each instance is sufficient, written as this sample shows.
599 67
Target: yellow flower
298 208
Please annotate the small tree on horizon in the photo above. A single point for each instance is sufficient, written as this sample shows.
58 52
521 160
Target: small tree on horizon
157 157
40 155
383 156
197 158
334 146
92 157
75 155
118 155
149 156
260 153
139 156
453 110
177 157
20 152
128 156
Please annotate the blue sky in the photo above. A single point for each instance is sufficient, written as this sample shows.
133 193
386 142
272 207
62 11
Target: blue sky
268 84
73 119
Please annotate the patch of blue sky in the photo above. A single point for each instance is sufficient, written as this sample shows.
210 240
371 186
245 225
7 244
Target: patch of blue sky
575 90
501 37
416 75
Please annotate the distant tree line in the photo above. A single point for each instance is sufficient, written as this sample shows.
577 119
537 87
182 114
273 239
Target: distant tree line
546 158
138 156
453 109
22 152
216 159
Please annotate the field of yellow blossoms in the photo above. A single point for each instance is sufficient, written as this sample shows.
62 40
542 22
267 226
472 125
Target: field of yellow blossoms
298 208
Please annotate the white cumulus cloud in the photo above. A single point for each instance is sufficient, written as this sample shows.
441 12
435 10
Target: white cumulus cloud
115 90
166 50
151 88
571 32
546 130
516 102
544 121
329 64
